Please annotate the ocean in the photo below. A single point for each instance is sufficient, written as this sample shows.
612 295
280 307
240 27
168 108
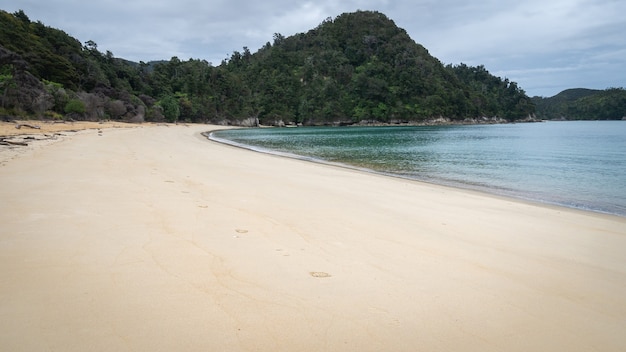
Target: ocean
578 164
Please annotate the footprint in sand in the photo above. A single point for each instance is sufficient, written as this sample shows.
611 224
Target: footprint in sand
319 274
284 254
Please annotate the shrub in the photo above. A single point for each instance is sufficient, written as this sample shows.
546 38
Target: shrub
75 106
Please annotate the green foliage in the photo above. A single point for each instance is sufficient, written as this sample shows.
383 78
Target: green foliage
53 115
488 95
171 109
357 66
6 76
361 66
583 104
58 94
75 106
6 71
609 104
556 107
47 49
63 65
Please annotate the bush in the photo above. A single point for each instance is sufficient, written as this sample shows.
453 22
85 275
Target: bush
171 109
75 106
51 115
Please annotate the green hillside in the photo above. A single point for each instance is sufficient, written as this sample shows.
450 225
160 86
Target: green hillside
583 104
358 66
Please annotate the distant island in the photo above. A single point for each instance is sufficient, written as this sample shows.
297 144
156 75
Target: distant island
358 68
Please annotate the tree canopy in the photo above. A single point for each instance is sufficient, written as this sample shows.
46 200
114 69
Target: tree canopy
357 66
583 104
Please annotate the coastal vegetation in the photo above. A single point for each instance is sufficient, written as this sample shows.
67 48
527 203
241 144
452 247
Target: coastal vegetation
583 104
358 67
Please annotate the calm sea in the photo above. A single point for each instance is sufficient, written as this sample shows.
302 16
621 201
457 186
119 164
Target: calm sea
579 164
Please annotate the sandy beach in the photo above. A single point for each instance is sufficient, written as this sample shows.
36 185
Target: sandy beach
37 134
156 239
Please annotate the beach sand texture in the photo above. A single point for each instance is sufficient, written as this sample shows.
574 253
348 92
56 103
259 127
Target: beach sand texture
156 239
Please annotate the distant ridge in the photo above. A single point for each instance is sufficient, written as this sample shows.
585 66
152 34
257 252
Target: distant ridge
583 104
576 93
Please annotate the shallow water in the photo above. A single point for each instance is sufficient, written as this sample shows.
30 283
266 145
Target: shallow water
580 164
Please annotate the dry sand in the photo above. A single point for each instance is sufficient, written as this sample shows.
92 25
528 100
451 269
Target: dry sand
38 134
155 239
21 127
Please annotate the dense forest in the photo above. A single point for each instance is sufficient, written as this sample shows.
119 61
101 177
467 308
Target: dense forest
583 104
356 67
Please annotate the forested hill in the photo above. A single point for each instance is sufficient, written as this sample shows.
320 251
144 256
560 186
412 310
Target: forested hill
583 104
358 66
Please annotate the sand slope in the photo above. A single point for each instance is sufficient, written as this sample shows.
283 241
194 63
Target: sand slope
155 239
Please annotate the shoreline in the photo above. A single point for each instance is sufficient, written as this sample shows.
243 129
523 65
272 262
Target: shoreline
153 239
514 195
59 132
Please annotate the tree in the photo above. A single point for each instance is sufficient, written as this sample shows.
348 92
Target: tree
115 108
171 110
91 46
21 16
75 106
357 66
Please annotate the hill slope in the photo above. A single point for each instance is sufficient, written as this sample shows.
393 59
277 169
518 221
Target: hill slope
362 66
583 104
358 66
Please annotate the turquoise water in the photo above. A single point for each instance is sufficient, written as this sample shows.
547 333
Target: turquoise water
580 164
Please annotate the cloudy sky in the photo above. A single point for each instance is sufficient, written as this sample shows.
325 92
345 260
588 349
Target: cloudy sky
543 45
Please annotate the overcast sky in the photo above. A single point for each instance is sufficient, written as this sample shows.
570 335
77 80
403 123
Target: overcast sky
545 46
